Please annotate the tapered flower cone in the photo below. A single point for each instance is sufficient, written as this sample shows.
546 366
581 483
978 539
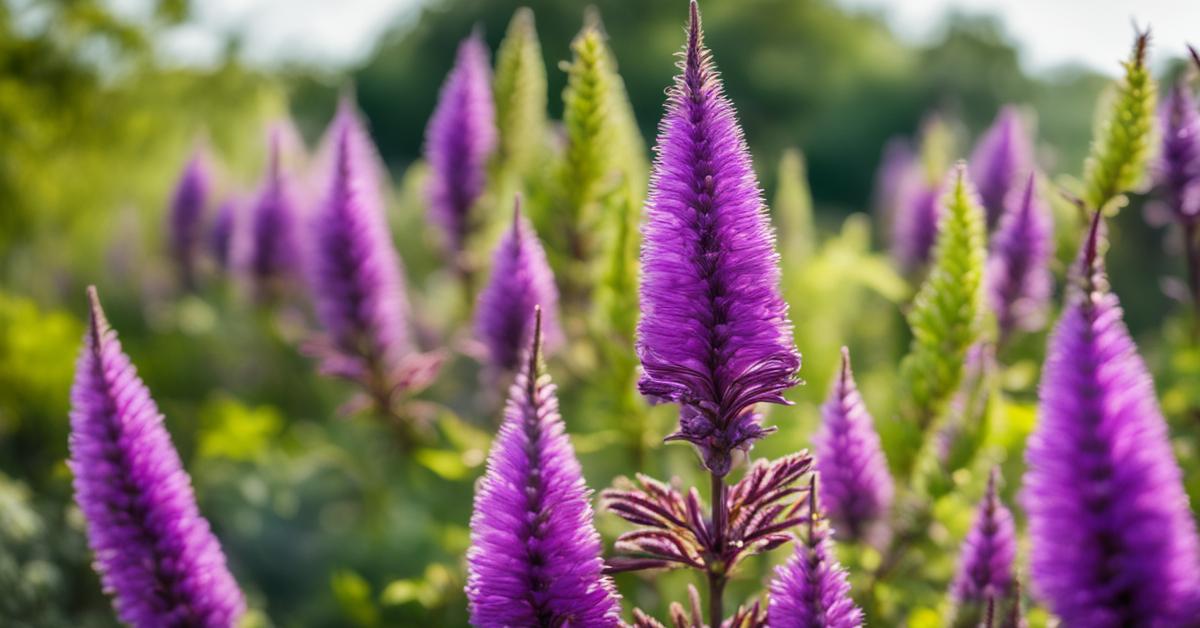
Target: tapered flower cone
155 553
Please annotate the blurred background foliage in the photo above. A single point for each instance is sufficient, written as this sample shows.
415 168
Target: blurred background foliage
325 519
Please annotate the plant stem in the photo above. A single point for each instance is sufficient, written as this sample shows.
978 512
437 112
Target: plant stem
716 566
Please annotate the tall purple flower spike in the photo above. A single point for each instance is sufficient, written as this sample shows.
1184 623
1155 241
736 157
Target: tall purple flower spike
521 280
357 276
224 228
895 166
811 589
714 334
1114 543
274 245
155 553
459 140
1019 283
985 569
856 487
1000 162
535 554
187 214
1178 169
915 219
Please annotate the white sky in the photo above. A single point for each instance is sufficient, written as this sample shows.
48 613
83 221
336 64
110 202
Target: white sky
1096 33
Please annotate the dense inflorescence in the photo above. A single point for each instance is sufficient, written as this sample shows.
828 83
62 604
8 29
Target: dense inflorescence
535 554
1019 282
1113 540
155 553
714 335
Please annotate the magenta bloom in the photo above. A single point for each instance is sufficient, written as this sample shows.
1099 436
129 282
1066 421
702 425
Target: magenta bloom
356 275
274 245
187 214
985 568
856 487
521 280
1000 162
811 589
1113 540
714 334
459 140
155 553
1019 283
1178 169
535 554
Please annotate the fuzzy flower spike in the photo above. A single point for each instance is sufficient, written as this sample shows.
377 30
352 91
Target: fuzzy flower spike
274 254
535 554
1018 278
155 553
187 214
714 335
357 277
856 485
812 589
521 280
1000 163
1113 540
985 570
460 139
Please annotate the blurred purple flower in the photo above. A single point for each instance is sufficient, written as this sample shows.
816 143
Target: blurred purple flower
985 568
897 163
1178 169
714 334
274 242
459 140
224 228
535 554
1000 162
356 275
811 589
1113 540
189 203
1019 283
856 486
155 553
915 220
521 280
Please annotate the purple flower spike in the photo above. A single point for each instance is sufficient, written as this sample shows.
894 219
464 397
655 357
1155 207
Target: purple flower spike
357 276
985 570
221 236
856 486
1178 169
898 162
812 589
460 139
1019 283
535 554
1113 540
274 247
915 220
714 334
1001 160
188 206
155 553
521 280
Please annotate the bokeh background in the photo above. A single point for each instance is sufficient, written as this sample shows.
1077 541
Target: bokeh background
325 519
